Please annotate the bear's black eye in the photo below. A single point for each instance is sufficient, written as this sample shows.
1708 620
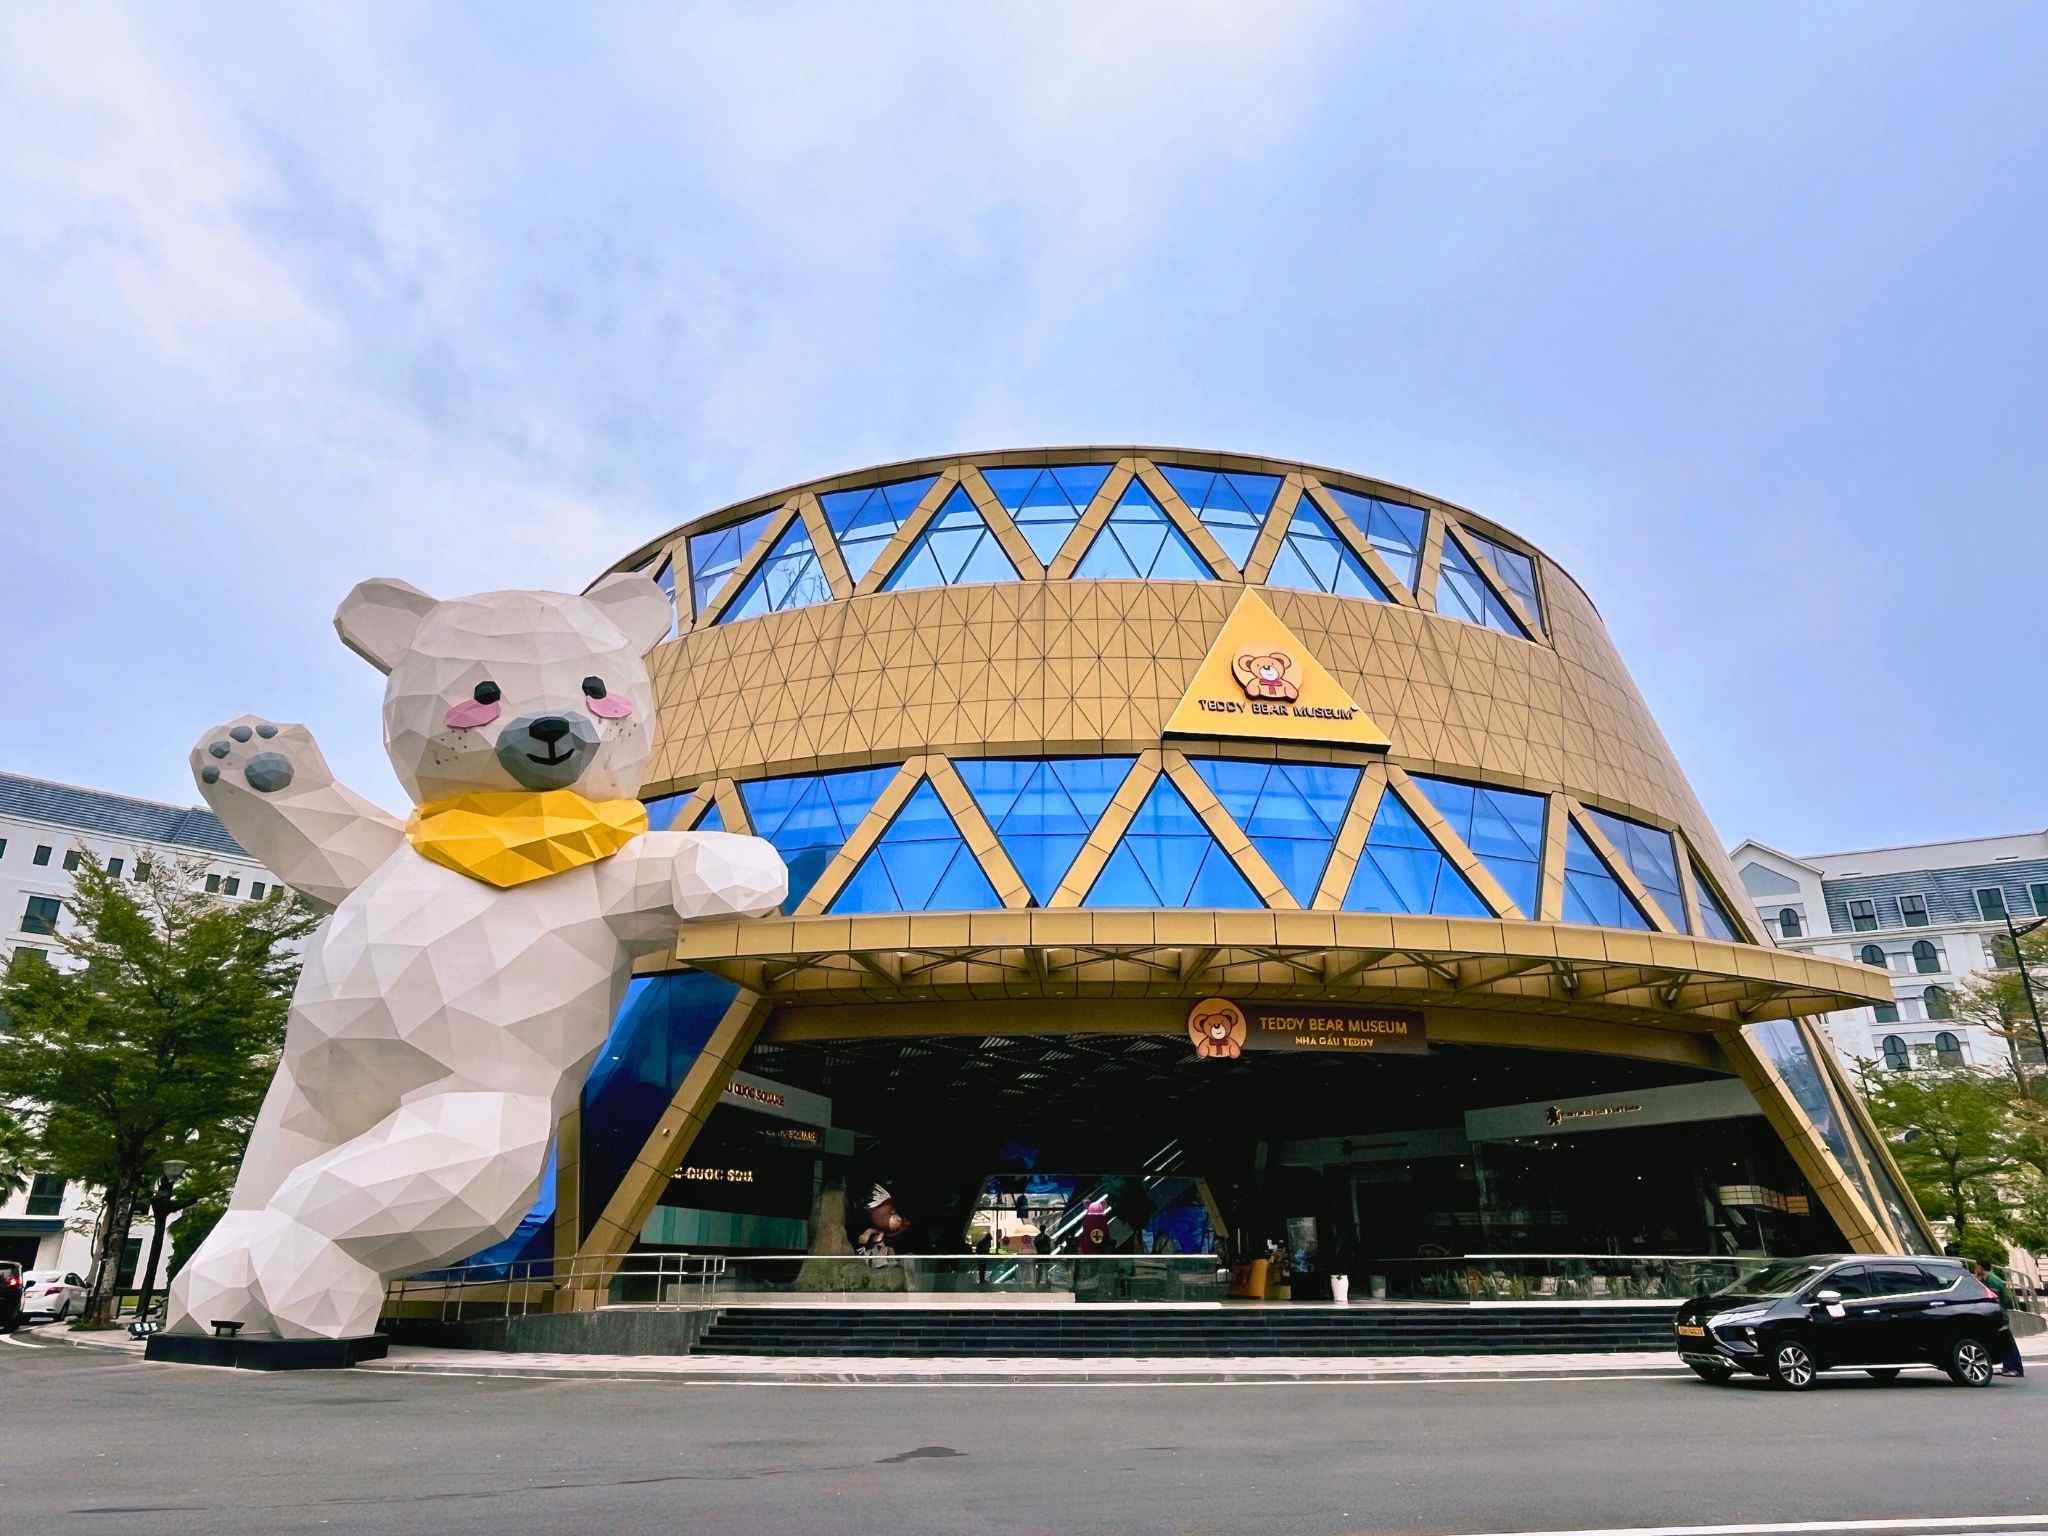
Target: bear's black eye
486 693
594 687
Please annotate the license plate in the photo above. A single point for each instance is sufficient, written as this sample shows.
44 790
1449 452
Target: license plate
1692 1330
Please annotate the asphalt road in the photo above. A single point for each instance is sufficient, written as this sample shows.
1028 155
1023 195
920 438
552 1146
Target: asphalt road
98 1443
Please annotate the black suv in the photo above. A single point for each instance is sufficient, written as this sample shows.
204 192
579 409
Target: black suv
1798 1317
10 1295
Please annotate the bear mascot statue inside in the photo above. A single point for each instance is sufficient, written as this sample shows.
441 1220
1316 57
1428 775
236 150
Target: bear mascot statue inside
453 1002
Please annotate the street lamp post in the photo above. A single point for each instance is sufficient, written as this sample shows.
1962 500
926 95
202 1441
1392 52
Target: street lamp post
2013 937
160 1206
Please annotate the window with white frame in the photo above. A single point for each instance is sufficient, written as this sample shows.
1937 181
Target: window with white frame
1927 959
1948 1051
1788 923
1991 903
1885 1013
1913 910
1863 915
1935 1001
1873 954
2037 892
1895 1057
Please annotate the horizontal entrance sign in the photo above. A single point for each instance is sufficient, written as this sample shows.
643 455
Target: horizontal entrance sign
1221 1028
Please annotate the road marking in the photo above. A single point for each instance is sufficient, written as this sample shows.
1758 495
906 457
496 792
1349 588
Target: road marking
1793 1527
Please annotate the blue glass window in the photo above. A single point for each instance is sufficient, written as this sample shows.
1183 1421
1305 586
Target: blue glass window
1504 827
1046 503
713 556
665 578
1653 855
661 814
713 819
810 816
1713 916
1463 593
1591 893
1401 869
1392 528
1169 859
1290 811
921 863
955 547
657 1034
789 577
864 521
1313 557
1516 572
1042 810
1141 540
1231 506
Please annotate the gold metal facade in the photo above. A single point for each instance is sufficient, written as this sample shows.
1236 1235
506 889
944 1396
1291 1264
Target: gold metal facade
1049 665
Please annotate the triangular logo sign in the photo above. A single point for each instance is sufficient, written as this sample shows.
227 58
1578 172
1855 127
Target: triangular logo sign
1259 681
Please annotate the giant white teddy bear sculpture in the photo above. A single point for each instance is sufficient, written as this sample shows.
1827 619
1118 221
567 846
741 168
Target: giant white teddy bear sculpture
452 1003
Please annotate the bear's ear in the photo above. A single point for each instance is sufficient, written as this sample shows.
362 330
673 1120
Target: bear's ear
632 601
379 618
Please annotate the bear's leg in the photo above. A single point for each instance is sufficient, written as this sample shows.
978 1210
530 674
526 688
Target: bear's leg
432 1182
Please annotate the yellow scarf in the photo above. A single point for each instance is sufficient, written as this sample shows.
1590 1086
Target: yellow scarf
508 837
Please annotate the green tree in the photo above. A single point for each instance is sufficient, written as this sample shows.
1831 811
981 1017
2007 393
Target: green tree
163 1029
17 1154
1994 1001
1957 1139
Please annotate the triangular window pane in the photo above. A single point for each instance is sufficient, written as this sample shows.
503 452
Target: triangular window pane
1394 530
1140 540
1591 893
1516 571
1231 507
713 819
713 555
955 547
1504 827
808 817
1291 812
1713 917
661 814
1168 848
1463 593
921 853
788 577
864 520
1329 564
1402 870
1652 855
1042 811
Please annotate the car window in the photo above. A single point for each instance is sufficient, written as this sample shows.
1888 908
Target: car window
1898 1279
1851 1280
73 1280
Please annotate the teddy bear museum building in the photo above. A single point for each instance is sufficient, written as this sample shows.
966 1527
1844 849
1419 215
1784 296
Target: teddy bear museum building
1208 874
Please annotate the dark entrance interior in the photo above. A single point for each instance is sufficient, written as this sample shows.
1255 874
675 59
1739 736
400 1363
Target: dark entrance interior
1365 1155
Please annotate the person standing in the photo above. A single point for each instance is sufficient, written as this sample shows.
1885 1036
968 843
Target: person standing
1999 1287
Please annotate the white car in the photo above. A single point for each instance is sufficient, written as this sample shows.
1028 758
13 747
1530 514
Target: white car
51 1293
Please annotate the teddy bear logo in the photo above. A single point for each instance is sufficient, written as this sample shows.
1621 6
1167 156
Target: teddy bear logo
1267 677
1216 1026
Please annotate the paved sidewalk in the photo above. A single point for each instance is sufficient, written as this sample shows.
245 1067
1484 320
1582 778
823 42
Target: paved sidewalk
827 1370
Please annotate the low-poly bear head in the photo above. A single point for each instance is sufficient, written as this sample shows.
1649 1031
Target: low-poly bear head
513 690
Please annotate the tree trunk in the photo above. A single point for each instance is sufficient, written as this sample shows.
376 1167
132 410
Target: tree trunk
117 1217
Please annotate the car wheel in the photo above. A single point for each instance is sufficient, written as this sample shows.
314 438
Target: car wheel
1713 1375
1888 1373
1792 1366
62 1312
1970 1364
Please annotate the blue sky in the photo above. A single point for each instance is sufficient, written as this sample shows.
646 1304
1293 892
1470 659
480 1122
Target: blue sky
1735 310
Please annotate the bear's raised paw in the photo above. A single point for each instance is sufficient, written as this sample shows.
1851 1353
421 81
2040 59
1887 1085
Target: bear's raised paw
255 754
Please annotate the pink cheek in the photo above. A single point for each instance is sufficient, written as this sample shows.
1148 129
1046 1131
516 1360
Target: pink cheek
469 714
612 706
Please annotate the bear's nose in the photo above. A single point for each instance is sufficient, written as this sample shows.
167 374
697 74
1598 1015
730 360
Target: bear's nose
549 729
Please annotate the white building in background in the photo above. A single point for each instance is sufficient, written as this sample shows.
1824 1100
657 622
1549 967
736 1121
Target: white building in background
44 827
1928 914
